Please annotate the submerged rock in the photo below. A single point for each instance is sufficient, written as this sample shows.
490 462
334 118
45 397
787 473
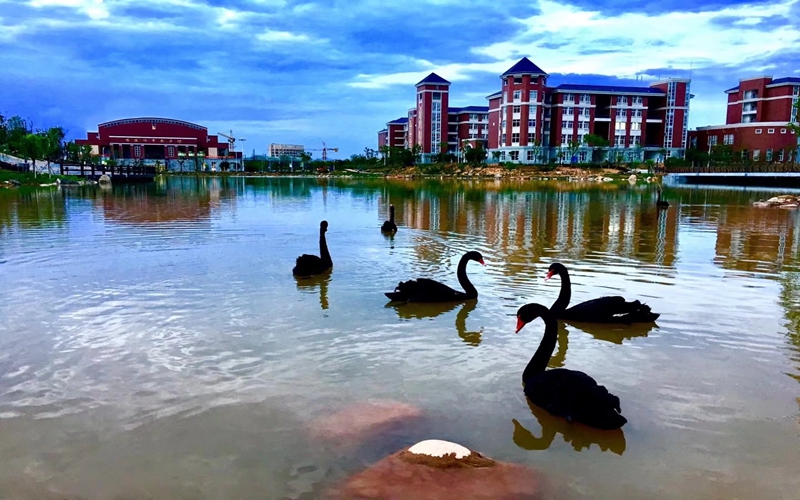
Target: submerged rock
440 470
104 179
354 424
632 179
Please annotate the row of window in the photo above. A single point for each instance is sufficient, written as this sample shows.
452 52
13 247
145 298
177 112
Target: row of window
621 100
767 157
770 131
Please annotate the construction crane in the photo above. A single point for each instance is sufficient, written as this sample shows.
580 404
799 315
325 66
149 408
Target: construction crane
325 150
231 141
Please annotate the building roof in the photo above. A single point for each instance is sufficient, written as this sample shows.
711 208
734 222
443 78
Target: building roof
789 80
499 93
399 121
524 66
434 79
469 109
607 89
152 119
383 131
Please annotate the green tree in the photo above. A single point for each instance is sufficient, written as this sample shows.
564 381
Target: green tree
536 147
597 144
572 149
496 155
475 156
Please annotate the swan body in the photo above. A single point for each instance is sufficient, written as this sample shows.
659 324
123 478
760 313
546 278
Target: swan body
428 290
661 203
309 265
609 309
565 393
389 226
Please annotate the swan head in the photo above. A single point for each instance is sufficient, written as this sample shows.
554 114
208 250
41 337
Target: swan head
323 226
476 256
555 268
528 313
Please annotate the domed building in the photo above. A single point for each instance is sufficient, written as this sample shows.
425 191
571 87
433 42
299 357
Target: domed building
176 144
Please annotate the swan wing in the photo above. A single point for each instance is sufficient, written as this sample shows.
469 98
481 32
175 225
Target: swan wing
423 290
610 309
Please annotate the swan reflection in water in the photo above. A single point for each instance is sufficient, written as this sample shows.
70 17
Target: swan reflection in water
616 333
578 435
309 284
420 310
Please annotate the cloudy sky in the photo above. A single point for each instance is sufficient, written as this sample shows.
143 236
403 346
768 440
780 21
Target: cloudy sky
336 71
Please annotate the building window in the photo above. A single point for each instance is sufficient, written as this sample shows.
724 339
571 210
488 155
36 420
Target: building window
770 130
531 138
756 154
437 96
503 139
636 140
712 140
769 155
568 111
584 112
171 151
622 100
637 100
622 113
517 95
586 99
636 126
620 126
780 155
505 82
516 110
503 124
568 98
515 122
515 138
727 139
582 125
565 138
758 131
637 113
137 151
517 79
531 123
783 131
533 96
529 155
751 94
567 124
619 141
514 155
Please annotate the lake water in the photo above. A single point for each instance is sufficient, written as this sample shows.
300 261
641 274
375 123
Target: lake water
154 343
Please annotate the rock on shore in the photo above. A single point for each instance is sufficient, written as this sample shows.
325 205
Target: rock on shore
783 201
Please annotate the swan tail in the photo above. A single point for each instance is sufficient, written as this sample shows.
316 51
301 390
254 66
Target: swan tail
603 410
639 313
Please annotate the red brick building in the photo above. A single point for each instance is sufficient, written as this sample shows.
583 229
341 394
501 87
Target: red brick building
528 122
166 140
759 110
394 135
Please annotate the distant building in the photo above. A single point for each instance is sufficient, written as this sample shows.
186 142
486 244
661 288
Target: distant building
293 150
755 126
528 122
151 140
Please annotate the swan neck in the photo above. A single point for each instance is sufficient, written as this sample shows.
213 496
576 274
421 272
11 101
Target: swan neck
391 215
564 295
538 363
464 280
323 248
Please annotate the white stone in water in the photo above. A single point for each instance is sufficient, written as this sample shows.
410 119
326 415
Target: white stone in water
439 448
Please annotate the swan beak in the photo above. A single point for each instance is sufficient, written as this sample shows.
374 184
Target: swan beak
482 263
520 324
549 275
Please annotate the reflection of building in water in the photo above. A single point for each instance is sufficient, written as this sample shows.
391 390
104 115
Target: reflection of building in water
755 239
178 199
525 225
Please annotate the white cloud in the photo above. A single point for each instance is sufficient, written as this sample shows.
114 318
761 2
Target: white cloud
95 9
281 36
563 38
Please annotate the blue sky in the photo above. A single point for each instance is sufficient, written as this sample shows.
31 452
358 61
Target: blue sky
337 71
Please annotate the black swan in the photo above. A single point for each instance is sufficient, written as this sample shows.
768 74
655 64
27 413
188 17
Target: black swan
425 290
389 226
309 265
565 393
601 310
661 203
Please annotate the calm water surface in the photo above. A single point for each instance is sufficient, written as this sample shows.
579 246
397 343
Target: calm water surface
153 342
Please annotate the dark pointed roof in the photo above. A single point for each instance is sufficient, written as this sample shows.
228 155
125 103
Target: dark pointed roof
524 66
434 79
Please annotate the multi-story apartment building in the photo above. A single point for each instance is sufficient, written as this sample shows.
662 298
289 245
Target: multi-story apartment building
293 150
394 135
529 122
759 110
